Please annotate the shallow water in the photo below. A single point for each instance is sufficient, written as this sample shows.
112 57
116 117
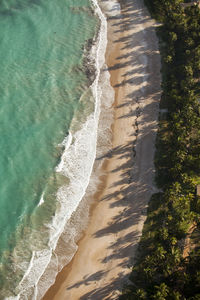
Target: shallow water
43 85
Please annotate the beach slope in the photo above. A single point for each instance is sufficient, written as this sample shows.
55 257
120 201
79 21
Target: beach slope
102 263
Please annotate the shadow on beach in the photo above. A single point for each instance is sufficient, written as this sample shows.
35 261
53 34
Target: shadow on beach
133 191
134 187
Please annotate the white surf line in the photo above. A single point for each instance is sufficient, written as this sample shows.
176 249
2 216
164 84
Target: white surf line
100 57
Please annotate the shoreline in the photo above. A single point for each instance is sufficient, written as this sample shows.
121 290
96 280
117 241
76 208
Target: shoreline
72 228
116 220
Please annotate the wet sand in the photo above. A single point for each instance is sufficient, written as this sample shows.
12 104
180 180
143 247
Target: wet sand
102 263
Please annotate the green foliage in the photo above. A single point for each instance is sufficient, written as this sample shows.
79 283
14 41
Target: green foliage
161 272
162 291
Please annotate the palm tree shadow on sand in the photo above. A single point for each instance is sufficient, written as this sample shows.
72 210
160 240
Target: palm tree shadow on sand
133 190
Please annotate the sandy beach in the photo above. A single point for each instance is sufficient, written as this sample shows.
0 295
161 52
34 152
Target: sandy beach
102 263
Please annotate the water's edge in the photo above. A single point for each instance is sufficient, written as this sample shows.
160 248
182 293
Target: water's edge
67 228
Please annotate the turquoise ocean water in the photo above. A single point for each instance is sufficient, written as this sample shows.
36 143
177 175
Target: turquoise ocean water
42 80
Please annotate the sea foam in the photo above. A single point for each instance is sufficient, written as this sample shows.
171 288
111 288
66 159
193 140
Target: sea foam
77 164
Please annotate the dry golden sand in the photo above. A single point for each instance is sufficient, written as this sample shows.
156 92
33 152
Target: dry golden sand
101 265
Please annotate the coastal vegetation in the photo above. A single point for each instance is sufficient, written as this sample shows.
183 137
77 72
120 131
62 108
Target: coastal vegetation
168 261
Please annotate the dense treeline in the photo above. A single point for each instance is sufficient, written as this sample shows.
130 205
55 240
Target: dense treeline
168 262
